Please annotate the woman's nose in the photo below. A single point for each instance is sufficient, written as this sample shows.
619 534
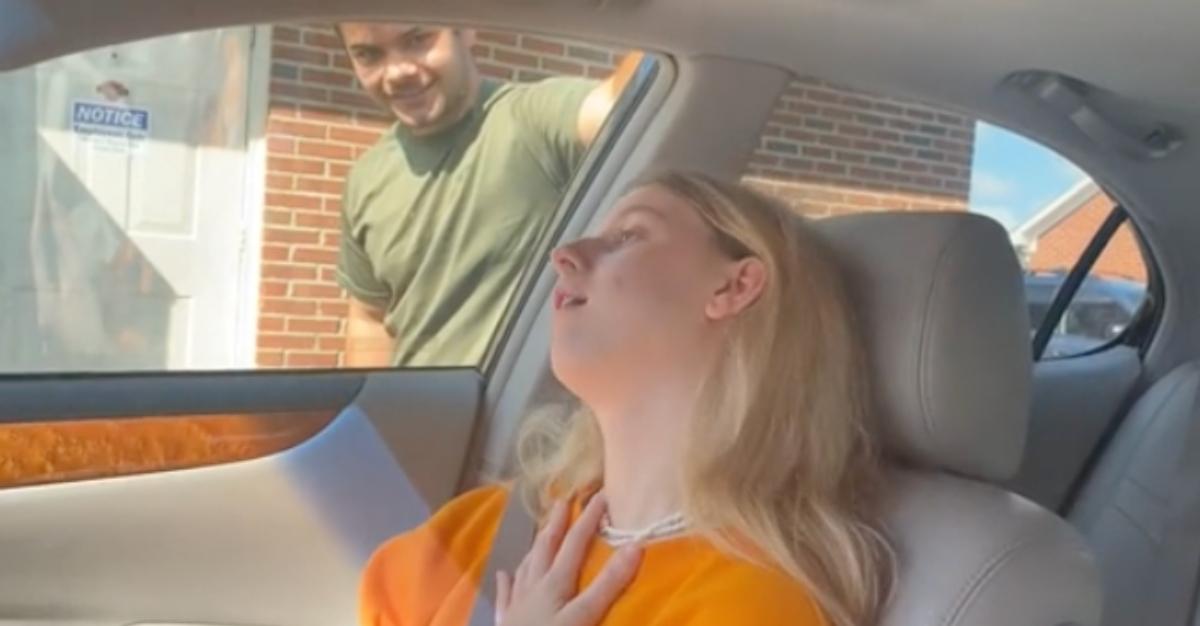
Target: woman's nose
567 258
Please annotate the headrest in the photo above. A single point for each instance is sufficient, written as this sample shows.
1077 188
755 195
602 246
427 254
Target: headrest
941 302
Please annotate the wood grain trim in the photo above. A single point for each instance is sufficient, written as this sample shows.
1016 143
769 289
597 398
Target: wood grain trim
53 452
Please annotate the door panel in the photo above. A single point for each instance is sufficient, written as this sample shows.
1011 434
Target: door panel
1074 400
276 540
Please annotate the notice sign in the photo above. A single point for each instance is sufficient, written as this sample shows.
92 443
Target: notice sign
110 127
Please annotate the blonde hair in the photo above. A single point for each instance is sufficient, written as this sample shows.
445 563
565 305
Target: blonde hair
779 464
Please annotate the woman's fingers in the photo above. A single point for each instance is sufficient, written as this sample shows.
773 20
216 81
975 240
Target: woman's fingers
589 607
548 540
579 538
504 588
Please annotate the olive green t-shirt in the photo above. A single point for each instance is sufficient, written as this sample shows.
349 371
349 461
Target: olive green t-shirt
436 231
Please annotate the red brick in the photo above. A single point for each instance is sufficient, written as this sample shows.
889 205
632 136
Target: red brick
820 95
494 71
341 60
271 323
323 39
277 217
325 150
286 342
515 58
504 39
333 78
319 185
289 271
295 166
335 309
296 129
480 51
275 253
290 235
317 290
316 326
281 145
312 359
299 92
353 99
331 343
318 220
273 289
285 34
288 306
563 67
598 72
543 46
339 171
331 239
324 115
269 358
280 182
299 54
314 255
353 135
332 205
294 201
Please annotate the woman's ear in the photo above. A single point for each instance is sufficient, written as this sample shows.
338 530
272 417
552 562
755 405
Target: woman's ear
744 282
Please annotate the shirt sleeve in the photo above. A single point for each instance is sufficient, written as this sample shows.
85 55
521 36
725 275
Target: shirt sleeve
549 109
355 273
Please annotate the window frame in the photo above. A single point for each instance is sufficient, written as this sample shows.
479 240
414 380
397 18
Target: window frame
1144 322
650 71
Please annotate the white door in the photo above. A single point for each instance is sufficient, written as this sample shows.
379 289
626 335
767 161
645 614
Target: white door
134 216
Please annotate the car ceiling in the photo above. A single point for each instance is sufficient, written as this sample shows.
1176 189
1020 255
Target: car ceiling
1142 56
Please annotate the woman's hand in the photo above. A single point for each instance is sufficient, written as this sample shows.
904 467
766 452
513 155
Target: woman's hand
543 591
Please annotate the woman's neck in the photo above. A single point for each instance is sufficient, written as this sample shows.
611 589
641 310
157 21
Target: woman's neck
642 461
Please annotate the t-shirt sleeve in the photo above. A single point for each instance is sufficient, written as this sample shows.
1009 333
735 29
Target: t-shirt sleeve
355 272
549 110
434 569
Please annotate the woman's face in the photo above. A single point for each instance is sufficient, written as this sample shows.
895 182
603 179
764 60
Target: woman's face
646 295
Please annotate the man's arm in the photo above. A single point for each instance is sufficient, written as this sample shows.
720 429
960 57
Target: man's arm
368 342
600 101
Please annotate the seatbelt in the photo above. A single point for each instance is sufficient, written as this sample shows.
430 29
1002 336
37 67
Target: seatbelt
512 542
1174 595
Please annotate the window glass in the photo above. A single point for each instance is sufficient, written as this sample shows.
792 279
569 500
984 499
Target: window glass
830 150
288 196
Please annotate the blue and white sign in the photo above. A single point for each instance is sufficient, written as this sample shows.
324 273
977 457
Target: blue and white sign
110 127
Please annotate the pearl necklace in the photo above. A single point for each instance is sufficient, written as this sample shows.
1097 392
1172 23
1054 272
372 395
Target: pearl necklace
665 527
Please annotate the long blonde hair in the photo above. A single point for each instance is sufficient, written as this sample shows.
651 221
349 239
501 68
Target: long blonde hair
780 467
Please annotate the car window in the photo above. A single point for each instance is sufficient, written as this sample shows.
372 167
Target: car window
830 150
266 197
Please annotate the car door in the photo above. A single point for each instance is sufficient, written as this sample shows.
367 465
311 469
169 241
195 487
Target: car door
247 486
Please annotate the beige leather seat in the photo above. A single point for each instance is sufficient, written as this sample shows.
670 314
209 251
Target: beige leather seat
942 305
1124 508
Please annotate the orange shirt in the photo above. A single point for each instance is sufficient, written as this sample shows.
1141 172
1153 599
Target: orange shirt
428 577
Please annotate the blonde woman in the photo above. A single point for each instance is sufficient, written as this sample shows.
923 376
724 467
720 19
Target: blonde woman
721 472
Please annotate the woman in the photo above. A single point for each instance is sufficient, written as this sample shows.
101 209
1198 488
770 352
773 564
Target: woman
707 334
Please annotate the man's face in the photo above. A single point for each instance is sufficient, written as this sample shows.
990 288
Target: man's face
424 76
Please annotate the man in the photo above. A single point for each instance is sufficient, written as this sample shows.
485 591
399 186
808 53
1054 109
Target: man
443 214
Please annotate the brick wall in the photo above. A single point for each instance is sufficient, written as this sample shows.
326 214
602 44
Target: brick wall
829 150
826 149
1059 248
318 123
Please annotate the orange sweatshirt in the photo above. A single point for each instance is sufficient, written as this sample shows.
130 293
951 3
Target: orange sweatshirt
428 577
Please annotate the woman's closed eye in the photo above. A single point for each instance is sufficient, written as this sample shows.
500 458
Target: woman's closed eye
624 236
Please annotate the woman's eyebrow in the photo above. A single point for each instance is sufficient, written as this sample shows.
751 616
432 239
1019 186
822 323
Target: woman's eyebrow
644 209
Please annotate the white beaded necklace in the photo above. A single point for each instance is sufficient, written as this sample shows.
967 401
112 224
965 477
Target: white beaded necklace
663 528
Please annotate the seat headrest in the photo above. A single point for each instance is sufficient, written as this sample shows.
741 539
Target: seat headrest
941 302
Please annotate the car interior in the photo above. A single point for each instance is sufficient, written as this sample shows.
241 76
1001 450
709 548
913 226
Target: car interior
1026 486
